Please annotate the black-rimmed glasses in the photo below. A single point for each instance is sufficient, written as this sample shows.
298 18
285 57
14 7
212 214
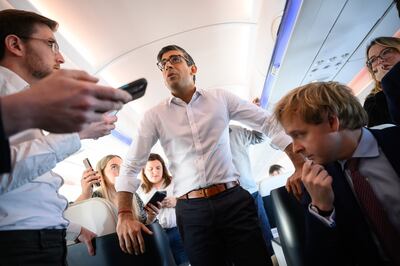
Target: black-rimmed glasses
51 43
173 59
383 55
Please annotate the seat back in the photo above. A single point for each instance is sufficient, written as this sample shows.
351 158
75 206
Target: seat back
96 214
289 217
108 252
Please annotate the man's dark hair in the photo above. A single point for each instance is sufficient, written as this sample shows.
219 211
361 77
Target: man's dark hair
168 48
274 167
20 23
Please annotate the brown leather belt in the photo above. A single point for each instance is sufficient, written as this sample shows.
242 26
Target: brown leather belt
209 191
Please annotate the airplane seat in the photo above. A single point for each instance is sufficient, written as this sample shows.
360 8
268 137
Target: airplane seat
96 214
289 217
100 216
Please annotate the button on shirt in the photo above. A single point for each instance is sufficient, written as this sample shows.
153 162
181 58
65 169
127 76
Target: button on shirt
29 196
195 139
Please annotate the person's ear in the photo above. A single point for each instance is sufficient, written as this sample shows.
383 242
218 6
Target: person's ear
13 44
334 122
193 69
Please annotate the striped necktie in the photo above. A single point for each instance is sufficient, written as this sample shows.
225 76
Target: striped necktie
387 234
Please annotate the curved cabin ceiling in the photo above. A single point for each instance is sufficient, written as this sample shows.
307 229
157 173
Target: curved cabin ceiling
231 41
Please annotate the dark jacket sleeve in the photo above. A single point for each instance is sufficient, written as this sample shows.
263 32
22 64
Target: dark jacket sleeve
5 160
391 87
376 107
322 244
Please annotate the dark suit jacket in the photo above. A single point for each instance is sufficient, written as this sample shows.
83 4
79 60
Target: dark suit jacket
350 242
5 162
391 87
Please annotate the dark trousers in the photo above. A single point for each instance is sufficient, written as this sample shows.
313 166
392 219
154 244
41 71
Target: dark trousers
223 228
175 242
264 222
33 247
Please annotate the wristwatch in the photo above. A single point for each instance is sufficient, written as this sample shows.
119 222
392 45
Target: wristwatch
320 212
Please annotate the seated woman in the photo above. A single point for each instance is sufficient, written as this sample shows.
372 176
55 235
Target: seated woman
383 53
107 169
155 177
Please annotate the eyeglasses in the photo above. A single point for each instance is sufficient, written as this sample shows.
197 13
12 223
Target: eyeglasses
385 54
51 43
173 59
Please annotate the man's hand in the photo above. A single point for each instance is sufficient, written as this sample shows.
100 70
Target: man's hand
99 129
63 102
319 185
86 237
129 232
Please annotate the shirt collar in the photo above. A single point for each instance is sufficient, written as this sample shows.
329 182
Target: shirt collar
11 82
367 146
176 100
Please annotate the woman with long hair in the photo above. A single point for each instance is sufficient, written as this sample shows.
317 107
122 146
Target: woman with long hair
155 177
107 169
383 53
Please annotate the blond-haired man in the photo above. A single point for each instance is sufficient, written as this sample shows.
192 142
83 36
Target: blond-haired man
351 175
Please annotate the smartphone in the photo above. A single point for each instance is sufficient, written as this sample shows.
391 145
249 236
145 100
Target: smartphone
158 196
88 165
135 88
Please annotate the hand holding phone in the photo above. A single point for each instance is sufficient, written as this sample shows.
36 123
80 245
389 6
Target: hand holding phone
157 197
88 165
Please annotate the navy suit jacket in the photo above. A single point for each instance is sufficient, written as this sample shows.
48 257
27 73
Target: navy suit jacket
350 242
391 88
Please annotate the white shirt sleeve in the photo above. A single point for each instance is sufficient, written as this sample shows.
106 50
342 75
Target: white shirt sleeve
73 231
257 118
328 221
137 155
33 158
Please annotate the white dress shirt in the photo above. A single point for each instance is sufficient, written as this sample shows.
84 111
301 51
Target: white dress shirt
29 196
195 139
166 217
240 139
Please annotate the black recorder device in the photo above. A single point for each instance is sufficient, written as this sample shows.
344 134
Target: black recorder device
135 88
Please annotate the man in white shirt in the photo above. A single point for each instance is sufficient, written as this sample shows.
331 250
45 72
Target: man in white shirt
32 226
217 219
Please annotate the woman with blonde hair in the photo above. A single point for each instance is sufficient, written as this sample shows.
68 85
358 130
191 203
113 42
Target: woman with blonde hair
383 53
155 177
107 169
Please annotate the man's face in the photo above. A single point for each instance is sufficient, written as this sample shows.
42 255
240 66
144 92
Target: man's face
319 143
383 59
177 75
40 59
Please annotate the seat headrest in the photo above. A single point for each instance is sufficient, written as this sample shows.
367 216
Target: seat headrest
96 214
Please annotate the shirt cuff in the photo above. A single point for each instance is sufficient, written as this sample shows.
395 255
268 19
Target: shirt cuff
73 231
127 184
328 221
280 140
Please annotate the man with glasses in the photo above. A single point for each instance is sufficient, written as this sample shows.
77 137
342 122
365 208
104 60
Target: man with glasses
32 226
217 218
